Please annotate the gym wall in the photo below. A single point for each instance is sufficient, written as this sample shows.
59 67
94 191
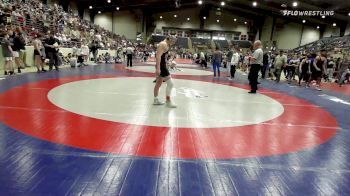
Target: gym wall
289 35
226 21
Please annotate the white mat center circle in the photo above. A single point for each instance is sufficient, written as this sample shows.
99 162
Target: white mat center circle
200 104
183 71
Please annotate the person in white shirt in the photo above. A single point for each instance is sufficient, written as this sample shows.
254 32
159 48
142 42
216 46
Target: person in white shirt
85 52
245 62
256 61
228 65
234 63
129 53
280 62
293 63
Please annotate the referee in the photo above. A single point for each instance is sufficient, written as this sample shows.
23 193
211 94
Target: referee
256 61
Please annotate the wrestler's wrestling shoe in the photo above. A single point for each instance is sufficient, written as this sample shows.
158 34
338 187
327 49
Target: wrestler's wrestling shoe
170 104
157 102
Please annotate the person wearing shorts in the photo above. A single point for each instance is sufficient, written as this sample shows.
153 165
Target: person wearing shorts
305 70
162 72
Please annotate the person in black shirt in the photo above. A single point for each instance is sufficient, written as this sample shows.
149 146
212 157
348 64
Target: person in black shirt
51 49
94 49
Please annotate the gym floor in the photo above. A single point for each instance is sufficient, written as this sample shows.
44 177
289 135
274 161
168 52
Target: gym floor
94 131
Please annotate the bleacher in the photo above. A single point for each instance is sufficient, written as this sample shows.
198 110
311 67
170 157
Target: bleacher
223 44
182 42
241 44
200 42
327 43
156 39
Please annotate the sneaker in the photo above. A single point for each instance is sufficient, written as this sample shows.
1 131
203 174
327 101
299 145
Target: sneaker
19 70
317 88
43 70
170 104
5 73
157 102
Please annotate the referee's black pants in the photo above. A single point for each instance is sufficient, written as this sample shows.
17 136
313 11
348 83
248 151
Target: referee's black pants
253 76
129 60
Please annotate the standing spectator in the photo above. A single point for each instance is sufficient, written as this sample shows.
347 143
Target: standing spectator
256 61
217 59
293 63
85 52
8 55
330 69
38 54
228 66
280 62
18 45
94 49
234 63
51 48
265 67
318 68
305 70
344 69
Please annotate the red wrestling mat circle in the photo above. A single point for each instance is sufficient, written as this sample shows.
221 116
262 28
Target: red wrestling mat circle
301 126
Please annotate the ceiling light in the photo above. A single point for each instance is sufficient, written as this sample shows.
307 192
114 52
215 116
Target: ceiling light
349 14
109 1
99 12
222 3
323 16
235 20
175 16
304 21
188 18
204 17
284 5
255 3
245 22
200 2
217 20
117 8
295 4
160 17
318 27
90 7
334 24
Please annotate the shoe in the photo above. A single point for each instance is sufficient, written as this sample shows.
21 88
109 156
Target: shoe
5 73
317 88
43 70
252 92
229 78
157 102
19 70
12 73
170 104
56 68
